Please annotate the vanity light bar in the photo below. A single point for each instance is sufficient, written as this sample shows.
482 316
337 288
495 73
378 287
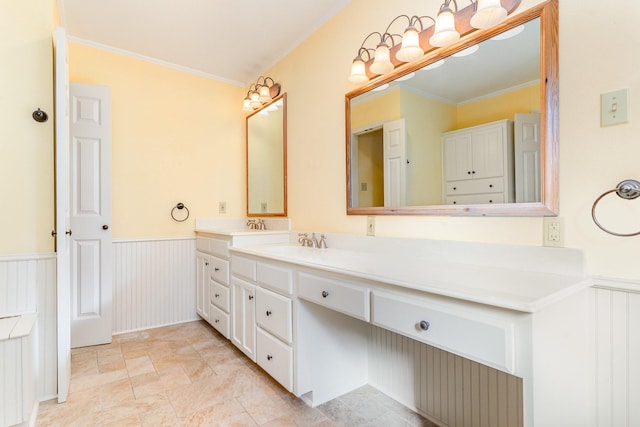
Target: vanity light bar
449 25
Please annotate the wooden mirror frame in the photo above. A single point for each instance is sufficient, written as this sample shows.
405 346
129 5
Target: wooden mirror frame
282 97
549 118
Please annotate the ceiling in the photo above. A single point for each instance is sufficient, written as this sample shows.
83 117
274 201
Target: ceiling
229 40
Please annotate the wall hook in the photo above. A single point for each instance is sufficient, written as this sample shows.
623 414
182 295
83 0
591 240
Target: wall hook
40 116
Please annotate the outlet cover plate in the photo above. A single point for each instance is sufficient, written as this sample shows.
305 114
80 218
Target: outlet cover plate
553 232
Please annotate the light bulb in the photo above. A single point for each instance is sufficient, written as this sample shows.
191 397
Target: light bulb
382 60
410 50
445 32
358 71
488 14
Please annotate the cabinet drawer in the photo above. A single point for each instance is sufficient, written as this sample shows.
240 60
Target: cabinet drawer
475 186
202 244
219 320
219 270
243 267
479 337
220 295
276 358
276 278
476 199
337 295
273 313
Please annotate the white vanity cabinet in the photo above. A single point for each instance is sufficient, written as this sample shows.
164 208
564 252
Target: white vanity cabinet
215 297
212 281
477 164
489 338
263 315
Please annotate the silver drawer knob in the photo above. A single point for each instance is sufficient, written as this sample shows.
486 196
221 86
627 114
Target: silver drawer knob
269 357
424 325
268 313
325 294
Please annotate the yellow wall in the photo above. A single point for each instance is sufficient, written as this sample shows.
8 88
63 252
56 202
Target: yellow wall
176 138
426 120
592 159
370 169
598 53
26 146
503 106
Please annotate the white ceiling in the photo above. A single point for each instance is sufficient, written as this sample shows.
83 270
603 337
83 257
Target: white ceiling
233 40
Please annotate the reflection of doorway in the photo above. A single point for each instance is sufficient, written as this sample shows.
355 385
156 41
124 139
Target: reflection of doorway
527 157
378 169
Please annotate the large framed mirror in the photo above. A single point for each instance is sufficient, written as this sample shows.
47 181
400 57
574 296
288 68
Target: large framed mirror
266 132
471 129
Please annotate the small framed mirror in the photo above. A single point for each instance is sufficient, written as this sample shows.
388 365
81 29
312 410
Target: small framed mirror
266 131
471 129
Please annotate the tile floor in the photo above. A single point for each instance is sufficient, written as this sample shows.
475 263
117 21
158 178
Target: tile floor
189 375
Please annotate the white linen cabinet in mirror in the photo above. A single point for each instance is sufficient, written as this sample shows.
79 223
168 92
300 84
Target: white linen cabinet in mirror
477 164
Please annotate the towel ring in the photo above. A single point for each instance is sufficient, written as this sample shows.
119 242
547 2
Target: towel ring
628 189
179 206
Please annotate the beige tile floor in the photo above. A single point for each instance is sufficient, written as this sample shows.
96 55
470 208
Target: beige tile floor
189 375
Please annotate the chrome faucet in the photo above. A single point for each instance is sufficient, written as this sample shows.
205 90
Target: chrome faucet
261 225
252 224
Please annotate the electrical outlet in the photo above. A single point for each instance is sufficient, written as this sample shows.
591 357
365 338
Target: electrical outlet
263 207
552 232
371 226
222 207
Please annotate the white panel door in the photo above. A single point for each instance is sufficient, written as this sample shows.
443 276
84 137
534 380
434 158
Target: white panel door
487 145
395 163
63 259
527 157
90 165
456 153
243 333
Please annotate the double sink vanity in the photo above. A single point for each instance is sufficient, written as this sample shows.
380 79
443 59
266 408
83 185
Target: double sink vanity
308 317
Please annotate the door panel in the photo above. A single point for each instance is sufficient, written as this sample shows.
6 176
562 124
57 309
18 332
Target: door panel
395 163
90 158
527 157
63 257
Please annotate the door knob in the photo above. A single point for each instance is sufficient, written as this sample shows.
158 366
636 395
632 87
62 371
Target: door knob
105 227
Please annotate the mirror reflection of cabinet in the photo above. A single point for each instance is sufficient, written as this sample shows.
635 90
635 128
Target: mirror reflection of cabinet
477 164
267 159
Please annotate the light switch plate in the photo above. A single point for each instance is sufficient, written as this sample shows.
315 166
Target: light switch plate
614 107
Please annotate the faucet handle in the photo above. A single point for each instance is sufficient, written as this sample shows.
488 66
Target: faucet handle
323 241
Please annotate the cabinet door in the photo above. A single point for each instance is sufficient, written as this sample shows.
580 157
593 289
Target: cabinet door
244 323
202 285
487 152
457 157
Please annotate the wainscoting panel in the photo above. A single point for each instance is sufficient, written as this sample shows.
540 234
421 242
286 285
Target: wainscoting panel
616 310
153 283
28 285
449 389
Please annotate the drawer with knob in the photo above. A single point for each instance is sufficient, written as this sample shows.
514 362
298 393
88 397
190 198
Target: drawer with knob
219 270
345 297
475 335
219 320
219 295
274 314
475 199
487 185
275 357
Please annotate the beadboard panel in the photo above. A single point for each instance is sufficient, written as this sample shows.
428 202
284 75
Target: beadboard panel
153 283
616 311
27 285
449 389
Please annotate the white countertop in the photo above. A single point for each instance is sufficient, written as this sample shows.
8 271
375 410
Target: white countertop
524 290
238 231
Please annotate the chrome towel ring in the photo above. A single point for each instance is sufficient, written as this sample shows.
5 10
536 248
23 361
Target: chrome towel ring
179 206
628 189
